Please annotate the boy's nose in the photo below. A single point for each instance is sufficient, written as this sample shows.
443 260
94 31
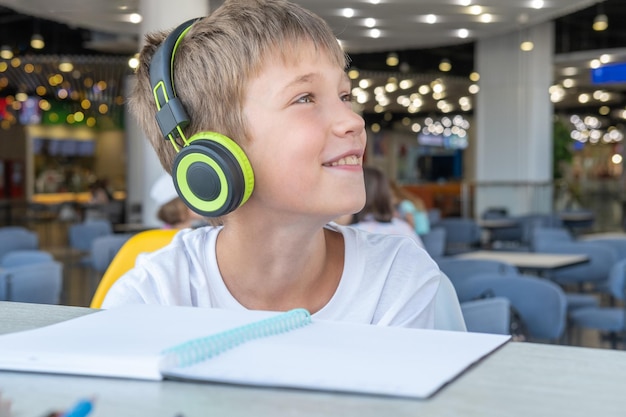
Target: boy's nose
348 122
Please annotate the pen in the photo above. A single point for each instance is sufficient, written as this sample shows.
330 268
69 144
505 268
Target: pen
81 409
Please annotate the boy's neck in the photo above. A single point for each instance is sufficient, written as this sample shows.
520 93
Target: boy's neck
281 272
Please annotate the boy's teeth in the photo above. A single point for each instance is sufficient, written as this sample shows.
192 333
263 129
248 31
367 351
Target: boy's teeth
349 160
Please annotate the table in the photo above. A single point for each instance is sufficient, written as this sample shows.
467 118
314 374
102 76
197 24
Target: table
520 379
602 236
529 261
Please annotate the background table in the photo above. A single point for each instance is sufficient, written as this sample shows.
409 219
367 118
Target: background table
529 261
520 379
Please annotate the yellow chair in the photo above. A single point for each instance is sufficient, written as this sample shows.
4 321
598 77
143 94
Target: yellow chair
124 260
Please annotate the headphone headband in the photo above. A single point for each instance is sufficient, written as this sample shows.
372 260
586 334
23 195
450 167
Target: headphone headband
171 115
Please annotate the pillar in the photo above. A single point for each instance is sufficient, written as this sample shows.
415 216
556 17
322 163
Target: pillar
513 120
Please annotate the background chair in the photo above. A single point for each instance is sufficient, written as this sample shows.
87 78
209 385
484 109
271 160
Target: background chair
487 315
609 320
435 242
82 235
462 234
16 239
541 304
124 260
39 283
25 257
459 270
104 249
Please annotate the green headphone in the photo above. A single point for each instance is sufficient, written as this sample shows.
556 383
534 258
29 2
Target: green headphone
211 173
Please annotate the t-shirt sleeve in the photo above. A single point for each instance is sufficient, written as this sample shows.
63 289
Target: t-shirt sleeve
408 297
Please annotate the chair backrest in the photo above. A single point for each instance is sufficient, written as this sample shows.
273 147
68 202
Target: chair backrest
459 270
39 283
541 304
25 257
531 221
435 242
541 238
104 249
617 280
448 315
82 235
488 315
124 260
601 259
13 240
462 234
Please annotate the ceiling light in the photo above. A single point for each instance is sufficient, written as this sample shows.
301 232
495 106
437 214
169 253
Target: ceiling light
348 12
537 4
466 2
462 33
527 46
66 66
135 18
486 18
392 59
431 18
375 33
37 42
6 52
445 65
476 10
600 23
370 22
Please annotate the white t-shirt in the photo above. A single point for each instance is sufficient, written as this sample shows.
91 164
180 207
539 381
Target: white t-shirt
387 280
394 227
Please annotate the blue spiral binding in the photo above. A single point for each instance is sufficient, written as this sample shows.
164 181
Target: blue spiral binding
198 350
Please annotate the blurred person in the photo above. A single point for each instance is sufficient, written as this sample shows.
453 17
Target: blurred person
378 214
172 210
410 208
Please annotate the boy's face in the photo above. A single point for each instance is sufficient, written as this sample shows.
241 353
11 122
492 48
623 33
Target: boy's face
307 143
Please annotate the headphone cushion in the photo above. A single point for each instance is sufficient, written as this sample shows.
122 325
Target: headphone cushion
212 174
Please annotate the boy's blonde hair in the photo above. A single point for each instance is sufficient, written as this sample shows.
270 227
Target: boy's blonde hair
216 60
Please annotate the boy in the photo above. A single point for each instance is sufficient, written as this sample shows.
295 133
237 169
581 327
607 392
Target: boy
271 76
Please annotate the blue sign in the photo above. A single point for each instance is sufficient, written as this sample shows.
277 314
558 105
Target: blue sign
610 73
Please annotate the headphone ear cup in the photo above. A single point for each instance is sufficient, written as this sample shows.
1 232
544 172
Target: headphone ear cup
212 174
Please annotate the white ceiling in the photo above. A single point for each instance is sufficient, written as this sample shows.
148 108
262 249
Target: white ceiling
402 23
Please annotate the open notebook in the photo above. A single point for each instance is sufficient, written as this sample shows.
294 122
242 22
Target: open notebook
248 347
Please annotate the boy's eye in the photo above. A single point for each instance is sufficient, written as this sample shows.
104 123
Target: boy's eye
307 98
347 97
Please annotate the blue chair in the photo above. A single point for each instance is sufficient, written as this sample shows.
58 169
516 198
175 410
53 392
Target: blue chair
611 320
82 235
541 304
435 242
459 270
39 283
462 234
104 249
25 257
541 238
12 240
529 222
488 315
